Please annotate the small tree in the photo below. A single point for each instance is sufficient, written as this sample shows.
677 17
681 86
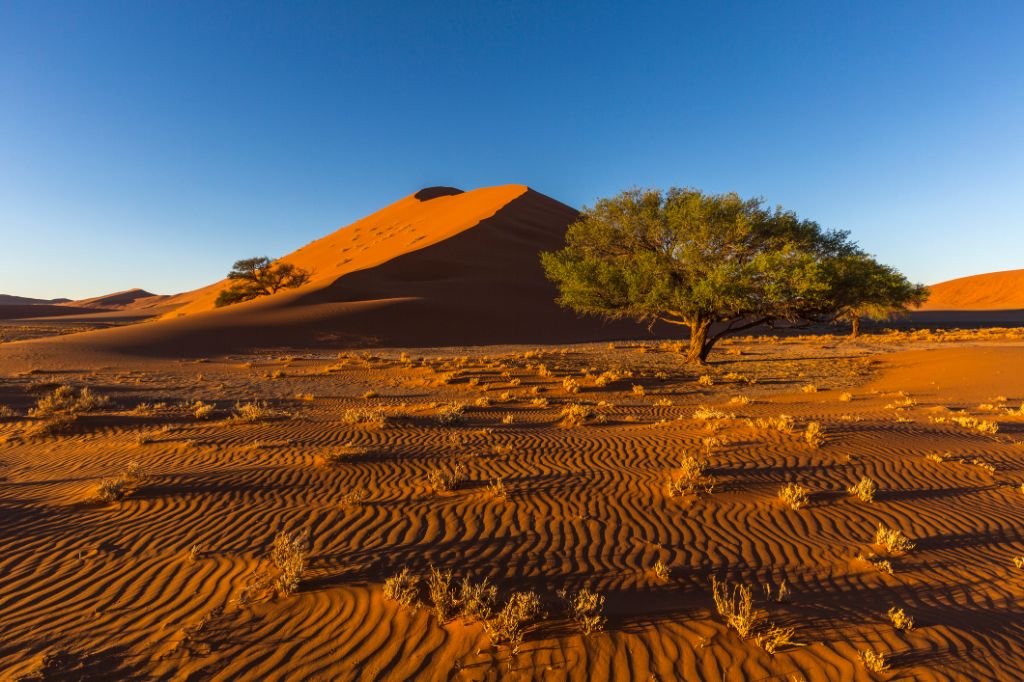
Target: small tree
697 260
866 288
254 277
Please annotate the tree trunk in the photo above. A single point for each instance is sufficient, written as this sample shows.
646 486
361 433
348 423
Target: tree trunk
700 345
855 327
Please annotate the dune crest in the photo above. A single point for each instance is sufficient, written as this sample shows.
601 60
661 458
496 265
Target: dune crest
989 291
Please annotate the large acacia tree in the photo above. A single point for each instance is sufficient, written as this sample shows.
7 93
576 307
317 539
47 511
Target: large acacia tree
716 264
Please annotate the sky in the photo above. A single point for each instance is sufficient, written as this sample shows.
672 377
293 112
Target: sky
151 144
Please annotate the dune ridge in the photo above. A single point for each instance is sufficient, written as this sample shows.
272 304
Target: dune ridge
989 291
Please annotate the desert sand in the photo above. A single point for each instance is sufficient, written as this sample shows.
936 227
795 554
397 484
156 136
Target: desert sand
422 404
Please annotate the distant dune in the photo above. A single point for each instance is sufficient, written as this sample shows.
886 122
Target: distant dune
989 291
132 298
439 267
8 299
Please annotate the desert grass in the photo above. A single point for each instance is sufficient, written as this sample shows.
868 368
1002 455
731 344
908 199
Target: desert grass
775 638
662 571
900 620
585 609
442 594
403 587
451 414
691 476
496 488
364 417
893 541
254 412
864 489
445 480
814 434
288 555
875 661
509 623
116 489
794 496
736 606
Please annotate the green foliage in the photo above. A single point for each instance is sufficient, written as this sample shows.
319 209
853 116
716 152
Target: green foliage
254 277
697 260
866 288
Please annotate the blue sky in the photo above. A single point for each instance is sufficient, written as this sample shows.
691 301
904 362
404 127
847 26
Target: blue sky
151 144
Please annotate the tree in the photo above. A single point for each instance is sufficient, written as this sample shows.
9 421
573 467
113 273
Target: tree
716 264
866 288
254 277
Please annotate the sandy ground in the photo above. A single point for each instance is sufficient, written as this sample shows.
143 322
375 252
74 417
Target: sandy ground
152 587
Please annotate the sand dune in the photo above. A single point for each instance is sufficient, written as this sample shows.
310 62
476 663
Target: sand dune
440 267
989 291
121 300
8 299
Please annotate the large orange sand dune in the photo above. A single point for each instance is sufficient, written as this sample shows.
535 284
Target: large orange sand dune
988 291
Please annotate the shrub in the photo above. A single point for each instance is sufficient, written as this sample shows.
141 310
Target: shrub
900 619
201 410
570 385
370 418
403 587
496 488
706 380
662 571
453 413
575 415
794 495
782 423
508 625
814 434
864 489
691 476
288 555
873 660
584 608
477 600
705 413
775 638
64 400
255 411
112 490
442 594
892 540
442 481
736 606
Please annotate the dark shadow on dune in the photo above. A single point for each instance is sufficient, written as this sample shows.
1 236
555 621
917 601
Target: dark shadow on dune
428 193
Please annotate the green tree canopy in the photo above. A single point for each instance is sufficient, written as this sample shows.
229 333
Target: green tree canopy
261 276
698 260
865 288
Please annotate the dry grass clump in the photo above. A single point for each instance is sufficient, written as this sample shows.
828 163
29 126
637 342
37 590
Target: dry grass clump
451 414
64 400
6 412
1018 561
201 410
639 390
706 380
794 496
403 587
982 426
864 489
739 400
809 388
442 481
662 571
892 540
845 397
482 401
496 488
782 423
814 434
509 624
255 411
900 620
705 413
477 600
575 415
288 554
570 385
584 608
341 454
775 638
442 594
736 606
116 489
691 476
873 660
370 418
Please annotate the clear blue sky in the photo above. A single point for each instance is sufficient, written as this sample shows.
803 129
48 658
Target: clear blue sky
151 144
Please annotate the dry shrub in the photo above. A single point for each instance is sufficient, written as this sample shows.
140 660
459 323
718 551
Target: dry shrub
403 587
116 489
706 380
864 489
442 594
782 423
983 426
845 397
509 624
873 660
900 620
662 571
705 413
369 418
794 496
200 410
255 411
6 412
575 415
477 600
774 638
354 497
809 388
814 434
64 400
691 476
288 554
496 488
442 481
584 608
451 414
892 540
570 385
342 454
736 606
